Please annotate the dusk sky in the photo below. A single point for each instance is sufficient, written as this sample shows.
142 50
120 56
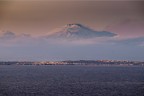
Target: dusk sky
23 25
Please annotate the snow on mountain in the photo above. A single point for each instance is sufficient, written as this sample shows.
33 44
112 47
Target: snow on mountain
78 31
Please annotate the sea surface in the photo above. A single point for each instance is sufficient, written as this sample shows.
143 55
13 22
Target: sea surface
71 80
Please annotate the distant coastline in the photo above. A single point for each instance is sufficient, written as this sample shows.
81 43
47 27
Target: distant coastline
77 62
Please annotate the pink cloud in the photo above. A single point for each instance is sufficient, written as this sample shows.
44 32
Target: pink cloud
128 28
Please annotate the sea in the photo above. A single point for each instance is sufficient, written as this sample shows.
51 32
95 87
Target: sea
71 80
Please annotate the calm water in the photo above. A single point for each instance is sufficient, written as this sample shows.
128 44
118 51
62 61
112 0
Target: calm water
70 80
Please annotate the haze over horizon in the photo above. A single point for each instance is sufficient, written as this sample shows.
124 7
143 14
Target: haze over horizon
25 26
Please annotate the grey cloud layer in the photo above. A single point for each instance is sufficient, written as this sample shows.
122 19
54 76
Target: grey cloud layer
29 48
130 41
49 50
103 37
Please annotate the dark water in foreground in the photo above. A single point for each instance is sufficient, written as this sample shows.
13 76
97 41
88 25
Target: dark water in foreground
70 80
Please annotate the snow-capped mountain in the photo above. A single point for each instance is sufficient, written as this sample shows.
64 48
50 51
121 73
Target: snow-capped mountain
78 31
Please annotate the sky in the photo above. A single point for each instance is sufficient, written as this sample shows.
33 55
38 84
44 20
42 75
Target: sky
23 24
